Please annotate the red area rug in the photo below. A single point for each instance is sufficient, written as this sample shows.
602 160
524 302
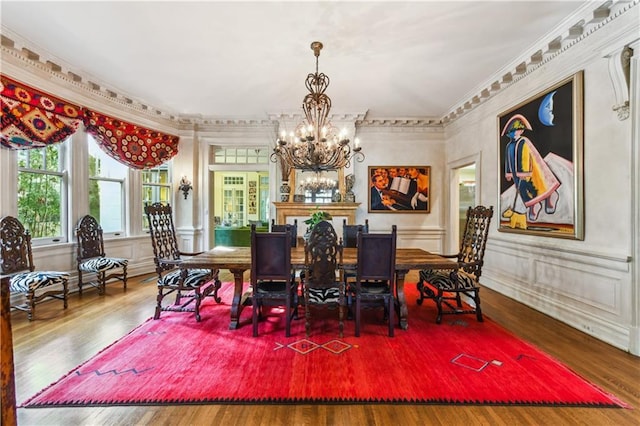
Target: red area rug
176 360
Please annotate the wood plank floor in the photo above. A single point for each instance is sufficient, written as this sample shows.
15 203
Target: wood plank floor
57 341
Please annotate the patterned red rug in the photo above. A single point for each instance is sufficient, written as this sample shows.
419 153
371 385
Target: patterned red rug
175 360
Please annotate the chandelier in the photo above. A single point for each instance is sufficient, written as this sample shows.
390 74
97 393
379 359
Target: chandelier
316 145
318 183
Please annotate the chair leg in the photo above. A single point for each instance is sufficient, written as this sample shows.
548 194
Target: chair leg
31 305
439 299
391 309
307 313
420 286
80 282
158 303
478 308
341 310
124 277
254 314
357 315
102 284
198 297
65 294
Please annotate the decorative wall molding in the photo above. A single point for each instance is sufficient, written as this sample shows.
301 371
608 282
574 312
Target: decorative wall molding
575 29
572 31
619 72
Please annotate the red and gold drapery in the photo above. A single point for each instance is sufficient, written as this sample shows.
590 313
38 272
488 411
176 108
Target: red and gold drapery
135 146
34 119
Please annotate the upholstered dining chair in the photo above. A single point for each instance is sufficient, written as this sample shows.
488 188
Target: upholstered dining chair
350 232
16 261
271 279
290 228
322 287
92 259
375 275
445 286
191 284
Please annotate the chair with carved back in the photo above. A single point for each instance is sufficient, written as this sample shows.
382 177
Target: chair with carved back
16 262
92 259
192 285
322 287
272 283
375 275
446 286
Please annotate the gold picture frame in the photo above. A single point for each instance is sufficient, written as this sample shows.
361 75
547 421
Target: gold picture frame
540 175
399 189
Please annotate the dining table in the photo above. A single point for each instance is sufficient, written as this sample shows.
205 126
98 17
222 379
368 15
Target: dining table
237 260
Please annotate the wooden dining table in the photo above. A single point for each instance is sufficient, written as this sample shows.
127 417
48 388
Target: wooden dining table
237 260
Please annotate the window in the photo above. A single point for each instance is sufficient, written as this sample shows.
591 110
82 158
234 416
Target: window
156 188
233 200
42 192
241 156
106 189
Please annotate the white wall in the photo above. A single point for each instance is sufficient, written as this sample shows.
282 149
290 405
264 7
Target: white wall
588 284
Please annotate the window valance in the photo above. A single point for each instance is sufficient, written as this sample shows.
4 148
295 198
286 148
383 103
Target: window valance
34 119
135 146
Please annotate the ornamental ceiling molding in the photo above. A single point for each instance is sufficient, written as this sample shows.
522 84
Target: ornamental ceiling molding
575 29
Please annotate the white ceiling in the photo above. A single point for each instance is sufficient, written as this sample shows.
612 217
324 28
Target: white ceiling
249 59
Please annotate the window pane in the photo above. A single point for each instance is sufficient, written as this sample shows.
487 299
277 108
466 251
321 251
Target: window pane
41 191
105 204
39 204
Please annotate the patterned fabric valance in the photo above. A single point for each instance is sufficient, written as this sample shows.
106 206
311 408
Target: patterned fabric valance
135 146
34 119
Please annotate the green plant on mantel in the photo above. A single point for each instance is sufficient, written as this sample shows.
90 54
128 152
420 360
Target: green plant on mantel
316 217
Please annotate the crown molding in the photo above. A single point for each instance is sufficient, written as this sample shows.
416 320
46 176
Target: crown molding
573 30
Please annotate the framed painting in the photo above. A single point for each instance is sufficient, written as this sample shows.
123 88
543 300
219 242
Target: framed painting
402 189
540 163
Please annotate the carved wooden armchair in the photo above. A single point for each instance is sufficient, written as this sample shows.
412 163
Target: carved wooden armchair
322 287
191 284
16 261
271 279
375 275
445 286
92 258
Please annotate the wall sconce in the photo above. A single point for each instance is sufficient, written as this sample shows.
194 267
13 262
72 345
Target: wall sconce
185 186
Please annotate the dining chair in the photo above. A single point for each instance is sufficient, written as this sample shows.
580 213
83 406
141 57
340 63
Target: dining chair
290 228
271 279
191 284
91 258
322 287
16 261
350 239
375 275
350 232
445 286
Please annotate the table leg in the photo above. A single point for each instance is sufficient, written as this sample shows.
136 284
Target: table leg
236 304
402 302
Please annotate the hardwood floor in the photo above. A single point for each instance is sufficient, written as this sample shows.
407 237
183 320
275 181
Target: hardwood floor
58 340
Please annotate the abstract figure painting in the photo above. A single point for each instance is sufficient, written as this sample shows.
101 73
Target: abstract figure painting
540 175
402 189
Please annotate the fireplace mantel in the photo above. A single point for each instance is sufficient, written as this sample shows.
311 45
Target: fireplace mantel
287 209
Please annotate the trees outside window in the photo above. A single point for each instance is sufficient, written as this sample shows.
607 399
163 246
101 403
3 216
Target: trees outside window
42 192
156 188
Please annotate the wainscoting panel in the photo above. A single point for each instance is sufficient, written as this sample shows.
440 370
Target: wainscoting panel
590 291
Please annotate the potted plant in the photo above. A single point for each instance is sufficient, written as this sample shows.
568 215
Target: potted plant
316 217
